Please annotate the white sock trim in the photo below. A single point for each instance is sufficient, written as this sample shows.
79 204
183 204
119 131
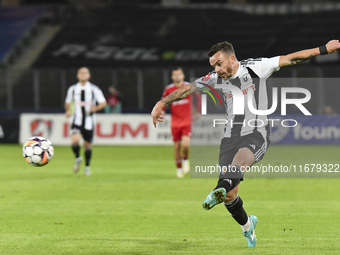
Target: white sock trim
246 226
232 201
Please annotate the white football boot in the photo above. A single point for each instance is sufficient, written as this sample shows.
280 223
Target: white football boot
186 166
87 171
76 164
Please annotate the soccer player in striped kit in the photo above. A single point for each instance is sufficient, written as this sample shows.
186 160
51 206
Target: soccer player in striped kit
242 145
87 99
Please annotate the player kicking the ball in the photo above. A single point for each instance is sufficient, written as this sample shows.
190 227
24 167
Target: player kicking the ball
242 145
87 99
180 122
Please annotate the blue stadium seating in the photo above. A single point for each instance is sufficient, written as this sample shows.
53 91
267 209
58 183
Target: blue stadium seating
14 23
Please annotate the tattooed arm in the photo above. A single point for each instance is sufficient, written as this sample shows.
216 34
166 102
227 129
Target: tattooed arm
303 55
181 93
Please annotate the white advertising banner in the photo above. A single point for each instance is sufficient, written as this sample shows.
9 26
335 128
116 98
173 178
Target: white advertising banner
111 129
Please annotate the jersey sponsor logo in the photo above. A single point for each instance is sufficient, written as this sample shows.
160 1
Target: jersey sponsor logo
181 102
252 145
83 103
244 91
228 94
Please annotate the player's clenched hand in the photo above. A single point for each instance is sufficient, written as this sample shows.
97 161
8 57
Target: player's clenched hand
333 46
68 114
157 113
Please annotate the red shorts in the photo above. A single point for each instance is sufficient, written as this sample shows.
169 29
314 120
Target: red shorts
178 132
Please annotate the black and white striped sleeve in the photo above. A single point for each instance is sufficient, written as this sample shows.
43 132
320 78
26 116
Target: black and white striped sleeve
69 95
98 94
263 67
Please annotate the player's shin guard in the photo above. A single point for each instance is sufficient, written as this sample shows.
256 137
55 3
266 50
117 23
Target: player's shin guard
236 210
76 149
88 154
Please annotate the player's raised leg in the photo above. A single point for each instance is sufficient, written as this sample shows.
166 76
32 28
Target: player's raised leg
76 150
185 143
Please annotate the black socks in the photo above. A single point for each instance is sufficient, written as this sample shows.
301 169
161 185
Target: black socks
230 178
76 149
236 210
88 154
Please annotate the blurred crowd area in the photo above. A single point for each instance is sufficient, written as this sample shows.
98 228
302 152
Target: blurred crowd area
132 46
174 2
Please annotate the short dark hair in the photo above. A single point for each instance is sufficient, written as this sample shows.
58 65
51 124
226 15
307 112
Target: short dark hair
177 68
88 68
226 47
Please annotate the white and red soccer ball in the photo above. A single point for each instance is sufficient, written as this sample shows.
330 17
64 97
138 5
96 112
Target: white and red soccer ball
38 151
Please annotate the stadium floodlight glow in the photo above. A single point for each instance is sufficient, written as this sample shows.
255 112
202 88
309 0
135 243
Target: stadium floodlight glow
238 99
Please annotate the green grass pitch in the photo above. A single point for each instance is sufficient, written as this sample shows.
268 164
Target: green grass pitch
133 204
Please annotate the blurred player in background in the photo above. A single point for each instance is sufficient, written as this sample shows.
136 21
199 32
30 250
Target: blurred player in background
87 99
180 122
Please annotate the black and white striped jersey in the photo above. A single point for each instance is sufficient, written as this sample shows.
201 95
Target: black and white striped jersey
83 98
250 78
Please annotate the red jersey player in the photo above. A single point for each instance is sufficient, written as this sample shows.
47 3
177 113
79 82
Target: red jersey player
180 122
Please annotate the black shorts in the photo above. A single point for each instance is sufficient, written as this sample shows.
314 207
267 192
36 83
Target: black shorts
230 146
86 134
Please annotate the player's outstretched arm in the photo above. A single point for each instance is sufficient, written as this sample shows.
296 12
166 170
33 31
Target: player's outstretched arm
303 55
181 93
